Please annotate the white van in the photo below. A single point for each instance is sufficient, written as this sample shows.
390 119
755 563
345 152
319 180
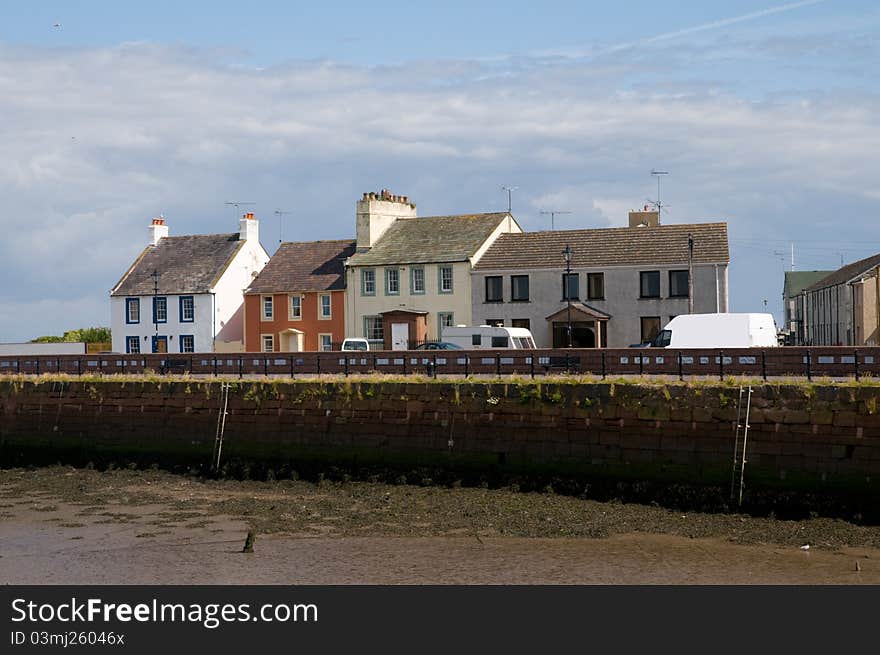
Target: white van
486 337
354 344
718 331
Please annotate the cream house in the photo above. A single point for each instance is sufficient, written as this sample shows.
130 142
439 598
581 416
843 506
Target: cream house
410 276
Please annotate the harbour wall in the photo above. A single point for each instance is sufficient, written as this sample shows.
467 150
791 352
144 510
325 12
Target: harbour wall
818 441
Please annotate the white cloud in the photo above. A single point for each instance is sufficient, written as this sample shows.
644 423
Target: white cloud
96 142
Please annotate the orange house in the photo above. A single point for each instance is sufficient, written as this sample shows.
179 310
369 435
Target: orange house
297 302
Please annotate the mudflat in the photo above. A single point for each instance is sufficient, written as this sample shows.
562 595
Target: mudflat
64 525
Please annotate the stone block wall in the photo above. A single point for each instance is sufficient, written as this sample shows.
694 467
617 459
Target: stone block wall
800 434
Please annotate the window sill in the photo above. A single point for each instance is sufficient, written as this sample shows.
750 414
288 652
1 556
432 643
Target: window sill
522 301
493 302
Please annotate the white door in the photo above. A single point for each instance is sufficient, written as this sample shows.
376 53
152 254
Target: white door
399 336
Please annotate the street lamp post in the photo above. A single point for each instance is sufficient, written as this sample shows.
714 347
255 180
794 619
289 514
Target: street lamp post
567 253
690 273
155 276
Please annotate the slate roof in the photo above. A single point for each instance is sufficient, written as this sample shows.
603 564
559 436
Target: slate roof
186 264
846 273
616 246
305 266
797 281
431 239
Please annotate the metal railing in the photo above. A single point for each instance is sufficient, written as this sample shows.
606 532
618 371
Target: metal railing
809 362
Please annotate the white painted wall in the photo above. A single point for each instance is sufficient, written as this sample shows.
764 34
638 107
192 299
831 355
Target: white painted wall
200 328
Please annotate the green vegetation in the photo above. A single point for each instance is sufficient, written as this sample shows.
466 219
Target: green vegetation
85 335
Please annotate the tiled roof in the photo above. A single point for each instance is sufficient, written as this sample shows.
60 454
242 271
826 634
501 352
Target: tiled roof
305 266
797 281
186 264
431 239
580 309
618 246
847 273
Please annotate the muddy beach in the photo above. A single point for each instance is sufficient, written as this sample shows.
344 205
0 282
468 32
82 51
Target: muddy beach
64 525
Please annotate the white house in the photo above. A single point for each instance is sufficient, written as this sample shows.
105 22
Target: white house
184 294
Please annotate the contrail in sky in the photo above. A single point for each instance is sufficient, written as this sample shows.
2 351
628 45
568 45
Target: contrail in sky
723 22
714 24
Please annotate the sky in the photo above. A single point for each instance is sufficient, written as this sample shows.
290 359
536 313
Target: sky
765 114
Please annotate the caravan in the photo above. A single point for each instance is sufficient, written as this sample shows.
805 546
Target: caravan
487 337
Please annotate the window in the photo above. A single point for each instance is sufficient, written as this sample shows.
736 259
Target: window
187 343
444 320
596 286
267 308
132 310
570 286
296 309
187 309
368 282
160 309
445 274
493 289
476 339
325 342
500 342
519 288
324 307
678 284
649 284
494 322
373 328
417 280
268 343
392 282
650 328
521 323
132 344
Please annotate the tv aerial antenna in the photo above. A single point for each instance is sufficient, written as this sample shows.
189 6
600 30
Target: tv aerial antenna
238 203
553 214
509 191
658 204
281 214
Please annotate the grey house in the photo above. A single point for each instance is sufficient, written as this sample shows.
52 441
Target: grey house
624 285
842 308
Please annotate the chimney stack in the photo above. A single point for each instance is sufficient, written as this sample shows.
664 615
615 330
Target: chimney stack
644 218
158 230
376 212
248 227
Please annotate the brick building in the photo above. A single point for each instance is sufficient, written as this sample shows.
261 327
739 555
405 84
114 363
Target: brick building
297 302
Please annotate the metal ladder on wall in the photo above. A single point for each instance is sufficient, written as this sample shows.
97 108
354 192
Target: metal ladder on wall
221 426
739 445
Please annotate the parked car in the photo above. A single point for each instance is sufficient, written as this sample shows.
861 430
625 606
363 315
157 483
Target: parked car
437 345
355 344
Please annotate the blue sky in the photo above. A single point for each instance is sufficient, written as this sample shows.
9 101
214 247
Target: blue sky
765 114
